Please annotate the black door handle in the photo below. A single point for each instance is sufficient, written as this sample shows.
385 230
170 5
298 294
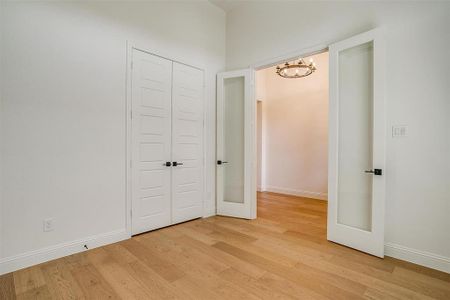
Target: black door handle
167 164
219 162
175 163
375 171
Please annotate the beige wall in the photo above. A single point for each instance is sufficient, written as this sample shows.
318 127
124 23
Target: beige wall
259 145
295 113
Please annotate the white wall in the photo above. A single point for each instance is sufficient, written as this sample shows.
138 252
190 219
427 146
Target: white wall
295 132
259 144
63 113
418 89
260 83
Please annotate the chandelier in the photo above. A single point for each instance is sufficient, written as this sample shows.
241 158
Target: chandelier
296 70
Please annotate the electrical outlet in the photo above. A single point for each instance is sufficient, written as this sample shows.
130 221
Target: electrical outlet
399 131
48 225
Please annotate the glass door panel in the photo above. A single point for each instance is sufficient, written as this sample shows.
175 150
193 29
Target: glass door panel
234 147
355 136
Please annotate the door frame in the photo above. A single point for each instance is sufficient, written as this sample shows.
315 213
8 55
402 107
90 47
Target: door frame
317 49
130 46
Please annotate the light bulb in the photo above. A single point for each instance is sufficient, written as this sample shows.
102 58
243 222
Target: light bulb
310 60
296 72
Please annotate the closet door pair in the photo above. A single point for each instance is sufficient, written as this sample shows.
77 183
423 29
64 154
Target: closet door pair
167 142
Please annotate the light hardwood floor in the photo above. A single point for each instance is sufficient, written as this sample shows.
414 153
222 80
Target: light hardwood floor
281 255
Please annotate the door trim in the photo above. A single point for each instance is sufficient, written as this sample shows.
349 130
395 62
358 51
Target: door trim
289 56
130 45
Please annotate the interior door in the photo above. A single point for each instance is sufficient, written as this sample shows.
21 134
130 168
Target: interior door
356 184
151 141
187 143
236 152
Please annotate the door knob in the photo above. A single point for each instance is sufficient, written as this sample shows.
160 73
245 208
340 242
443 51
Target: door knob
167 164
175 163
219 162
375 171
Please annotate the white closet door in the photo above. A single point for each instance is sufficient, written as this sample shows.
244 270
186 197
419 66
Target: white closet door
187 143
151 138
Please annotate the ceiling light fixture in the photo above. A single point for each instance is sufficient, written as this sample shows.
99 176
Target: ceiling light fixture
297 70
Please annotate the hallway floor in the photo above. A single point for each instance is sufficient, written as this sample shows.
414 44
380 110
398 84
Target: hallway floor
283 254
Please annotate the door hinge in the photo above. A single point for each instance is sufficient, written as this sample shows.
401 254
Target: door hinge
131 114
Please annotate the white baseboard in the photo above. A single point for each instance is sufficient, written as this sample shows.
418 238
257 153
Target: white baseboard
293 192
24 260
209 213
422 258
13 263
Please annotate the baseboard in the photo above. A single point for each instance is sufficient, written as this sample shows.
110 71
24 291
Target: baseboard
209 209
24 260
422 258
13 263
209 213
293 192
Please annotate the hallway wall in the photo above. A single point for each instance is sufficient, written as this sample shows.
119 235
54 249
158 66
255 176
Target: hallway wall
295 116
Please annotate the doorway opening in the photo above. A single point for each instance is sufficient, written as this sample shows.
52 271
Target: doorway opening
356 141
292 146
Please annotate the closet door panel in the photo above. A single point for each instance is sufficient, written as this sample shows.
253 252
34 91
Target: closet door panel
151 141
187 143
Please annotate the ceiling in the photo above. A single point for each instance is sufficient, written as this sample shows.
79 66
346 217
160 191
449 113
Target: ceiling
227 5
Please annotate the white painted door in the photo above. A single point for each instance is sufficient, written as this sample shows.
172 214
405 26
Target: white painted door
236 139
187 143
356 185
151 141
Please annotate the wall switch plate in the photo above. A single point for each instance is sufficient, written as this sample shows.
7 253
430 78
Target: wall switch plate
399 131
48 225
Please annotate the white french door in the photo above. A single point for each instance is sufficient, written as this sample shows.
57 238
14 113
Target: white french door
236 156
356 183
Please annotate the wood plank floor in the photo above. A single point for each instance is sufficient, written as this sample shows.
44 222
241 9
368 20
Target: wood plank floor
281 255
